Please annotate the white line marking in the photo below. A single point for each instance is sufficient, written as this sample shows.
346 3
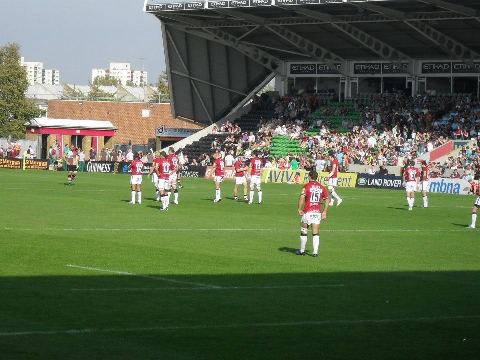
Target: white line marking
283 287
237 326
466 229
132 229
158 278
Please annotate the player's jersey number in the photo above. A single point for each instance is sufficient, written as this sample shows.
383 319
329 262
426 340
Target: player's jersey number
315 195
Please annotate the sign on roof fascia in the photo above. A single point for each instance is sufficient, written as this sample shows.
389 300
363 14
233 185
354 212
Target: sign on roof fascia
167 132
217 4
450 67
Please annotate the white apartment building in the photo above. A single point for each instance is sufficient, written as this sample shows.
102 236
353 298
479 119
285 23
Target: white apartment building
139 78
36 74
50 77
123 73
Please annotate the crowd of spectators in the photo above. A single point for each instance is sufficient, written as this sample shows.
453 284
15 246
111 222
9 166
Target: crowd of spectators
11 150
463 165
14 150
390 128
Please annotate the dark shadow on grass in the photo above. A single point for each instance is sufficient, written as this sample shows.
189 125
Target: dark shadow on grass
287 249
89 315
461 225
397 208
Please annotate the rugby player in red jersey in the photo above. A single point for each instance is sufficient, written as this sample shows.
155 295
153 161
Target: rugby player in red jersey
255 170
136 167
162 168
218 172
240 178
72 164
333 180
410 175
173 160
476 204
310 209
475 207
424 183
153 173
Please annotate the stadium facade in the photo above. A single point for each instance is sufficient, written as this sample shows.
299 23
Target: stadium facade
220 53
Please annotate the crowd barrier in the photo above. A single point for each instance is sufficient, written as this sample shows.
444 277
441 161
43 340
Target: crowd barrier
449 186
277 176
122 168
435 185
274 176
27 164
380 181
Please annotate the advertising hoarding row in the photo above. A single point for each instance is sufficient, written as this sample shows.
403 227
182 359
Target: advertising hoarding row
274 176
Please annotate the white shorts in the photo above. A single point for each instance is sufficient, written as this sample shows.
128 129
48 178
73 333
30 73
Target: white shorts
332 182
425 186
162 184
218 179
240 180
411 186
136 179
173 178
477 201
310 218
255 180
155 179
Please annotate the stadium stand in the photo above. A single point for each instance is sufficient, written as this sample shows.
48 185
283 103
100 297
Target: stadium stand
370 130
375 81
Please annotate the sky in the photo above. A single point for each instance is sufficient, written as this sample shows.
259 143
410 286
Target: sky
75 36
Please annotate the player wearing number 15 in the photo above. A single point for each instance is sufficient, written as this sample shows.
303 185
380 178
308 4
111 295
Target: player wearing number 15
310 209
136 167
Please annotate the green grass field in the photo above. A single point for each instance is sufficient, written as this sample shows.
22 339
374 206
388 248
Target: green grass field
85 275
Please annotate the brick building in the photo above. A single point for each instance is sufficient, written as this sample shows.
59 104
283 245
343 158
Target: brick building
135 123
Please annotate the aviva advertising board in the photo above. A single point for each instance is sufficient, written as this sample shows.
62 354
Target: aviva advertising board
301 177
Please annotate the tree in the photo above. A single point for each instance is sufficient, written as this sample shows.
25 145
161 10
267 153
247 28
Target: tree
162 85
72 93
15 109
106 81
98 94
